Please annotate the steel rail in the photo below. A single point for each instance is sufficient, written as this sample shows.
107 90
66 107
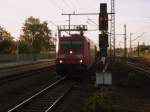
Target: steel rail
7 79
143 66
140 68
18 73
53 106
35 96
26 64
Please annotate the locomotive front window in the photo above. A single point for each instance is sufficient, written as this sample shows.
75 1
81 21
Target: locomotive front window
65 44
77 44
71 44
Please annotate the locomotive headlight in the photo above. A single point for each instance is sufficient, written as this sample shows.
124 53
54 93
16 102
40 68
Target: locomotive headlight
70 52
60 61
81 61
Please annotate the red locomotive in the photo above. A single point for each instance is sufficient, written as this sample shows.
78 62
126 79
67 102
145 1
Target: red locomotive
74 53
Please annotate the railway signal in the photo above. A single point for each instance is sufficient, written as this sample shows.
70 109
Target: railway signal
103 17
103 40
103 44
102 76
103 27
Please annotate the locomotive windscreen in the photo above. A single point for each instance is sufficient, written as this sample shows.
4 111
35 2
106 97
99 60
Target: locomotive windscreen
71 44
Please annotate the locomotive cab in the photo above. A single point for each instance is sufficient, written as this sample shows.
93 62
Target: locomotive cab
74 54
71 54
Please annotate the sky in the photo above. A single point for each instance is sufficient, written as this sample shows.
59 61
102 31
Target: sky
134 13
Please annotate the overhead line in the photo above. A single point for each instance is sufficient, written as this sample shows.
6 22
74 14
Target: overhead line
54 3
73 4
67 4
92 21
53 23
139 36
81 14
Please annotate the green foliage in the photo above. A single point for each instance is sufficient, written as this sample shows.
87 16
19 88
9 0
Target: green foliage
99 102
36 34
142 48
5 34
24 47
144 51
119 51
6 46
6 42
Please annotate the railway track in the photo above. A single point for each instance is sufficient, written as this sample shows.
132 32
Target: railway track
17 72
142 68
142 60
24 68
22 75
47 99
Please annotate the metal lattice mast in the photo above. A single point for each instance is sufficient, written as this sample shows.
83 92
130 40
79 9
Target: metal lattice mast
112 29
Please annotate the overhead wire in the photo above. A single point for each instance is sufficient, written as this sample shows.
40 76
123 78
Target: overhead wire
90 24
74 5
92 21
56 5
68 6
138 36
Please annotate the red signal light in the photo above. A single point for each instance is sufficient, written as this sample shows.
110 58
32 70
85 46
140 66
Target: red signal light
104 18
101 18
103 21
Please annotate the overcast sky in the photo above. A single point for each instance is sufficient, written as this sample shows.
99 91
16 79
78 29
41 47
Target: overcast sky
134 13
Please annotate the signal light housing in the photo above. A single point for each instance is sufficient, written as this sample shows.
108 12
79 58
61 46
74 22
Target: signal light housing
103 40
103 22
103 17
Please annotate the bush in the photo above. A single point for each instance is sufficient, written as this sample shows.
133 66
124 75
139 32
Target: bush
99 102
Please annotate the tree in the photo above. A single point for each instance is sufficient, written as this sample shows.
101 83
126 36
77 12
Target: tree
5 34
6 42
24 47
36 34
142 48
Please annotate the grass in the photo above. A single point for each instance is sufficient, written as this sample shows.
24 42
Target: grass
99 102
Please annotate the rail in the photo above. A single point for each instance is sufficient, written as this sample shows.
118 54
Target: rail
31 102
18 72
6 72
25 64
140 68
